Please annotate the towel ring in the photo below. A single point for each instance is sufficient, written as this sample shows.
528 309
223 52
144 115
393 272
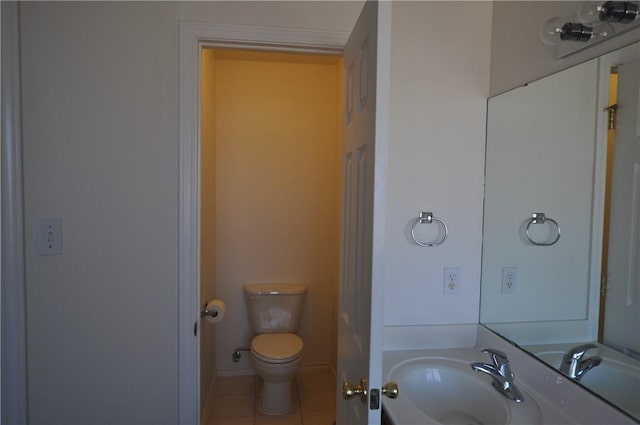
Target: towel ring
427 217
540 218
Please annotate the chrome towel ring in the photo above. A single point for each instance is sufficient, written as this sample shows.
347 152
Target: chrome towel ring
427 217
541 218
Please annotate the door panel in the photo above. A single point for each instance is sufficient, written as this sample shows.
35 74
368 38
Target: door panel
364 162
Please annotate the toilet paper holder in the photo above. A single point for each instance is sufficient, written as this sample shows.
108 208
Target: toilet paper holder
206 312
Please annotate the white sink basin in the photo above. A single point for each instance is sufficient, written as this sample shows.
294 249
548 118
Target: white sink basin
443 390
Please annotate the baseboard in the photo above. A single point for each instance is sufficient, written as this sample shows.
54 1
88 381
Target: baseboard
235 372
320 367
250 371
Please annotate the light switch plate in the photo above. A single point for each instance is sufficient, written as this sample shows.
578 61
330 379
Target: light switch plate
49 236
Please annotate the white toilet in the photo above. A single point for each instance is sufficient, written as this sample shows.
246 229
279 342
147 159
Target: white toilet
274 315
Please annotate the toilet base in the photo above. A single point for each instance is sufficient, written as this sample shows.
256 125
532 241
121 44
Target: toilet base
276 398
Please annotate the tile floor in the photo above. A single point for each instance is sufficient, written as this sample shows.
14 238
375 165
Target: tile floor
234 401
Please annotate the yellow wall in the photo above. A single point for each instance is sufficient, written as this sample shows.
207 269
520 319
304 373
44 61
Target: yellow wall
277 186
208 221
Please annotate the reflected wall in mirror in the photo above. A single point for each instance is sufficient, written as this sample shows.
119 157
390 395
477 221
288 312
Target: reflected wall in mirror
568 146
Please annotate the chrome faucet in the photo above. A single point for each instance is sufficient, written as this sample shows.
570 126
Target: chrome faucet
501 373
575 365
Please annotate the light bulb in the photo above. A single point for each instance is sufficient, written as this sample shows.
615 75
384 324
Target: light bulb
589 12
602 30
551 31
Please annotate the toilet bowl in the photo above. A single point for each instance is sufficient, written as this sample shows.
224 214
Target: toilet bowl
274 312
276 358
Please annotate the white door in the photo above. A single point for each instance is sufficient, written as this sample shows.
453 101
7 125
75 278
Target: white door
366 60
622 312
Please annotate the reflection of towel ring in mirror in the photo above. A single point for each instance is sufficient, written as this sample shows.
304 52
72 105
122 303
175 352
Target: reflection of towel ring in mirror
539 218
427 217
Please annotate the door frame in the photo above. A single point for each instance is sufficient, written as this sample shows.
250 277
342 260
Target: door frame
13 347
194 36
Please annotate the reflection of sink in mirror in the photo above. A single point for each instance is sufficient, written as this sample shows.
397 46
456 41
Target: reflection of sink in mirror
616 379
442 390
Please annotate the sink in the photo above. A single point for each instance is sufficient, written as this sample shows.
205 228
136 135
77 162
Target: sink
445 390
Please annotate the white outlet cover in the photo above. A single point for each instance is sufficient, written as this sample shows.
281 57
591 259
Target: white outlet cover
509 282
49 236
451 281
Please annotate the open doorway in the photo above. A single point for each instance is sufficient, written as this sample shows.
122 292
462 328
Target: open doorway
620 297
270 208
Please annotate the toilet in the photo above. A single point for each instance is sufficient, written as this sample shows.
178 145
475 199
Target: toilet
274 312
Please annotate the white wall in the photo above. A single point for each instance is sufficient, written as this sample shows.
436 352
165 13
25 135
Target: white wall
439 87
517 54
100 121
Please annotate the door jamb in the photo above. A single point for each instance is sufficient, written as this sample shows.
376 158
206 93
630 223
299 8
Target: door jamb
193 37
13 347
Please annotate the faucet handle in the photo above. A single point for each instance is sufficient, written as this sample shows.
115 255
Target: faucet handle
501 362
497 357
579 351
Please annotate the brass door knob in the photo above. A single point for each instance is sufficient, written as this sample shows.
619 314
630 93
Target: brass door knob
350 391
390 389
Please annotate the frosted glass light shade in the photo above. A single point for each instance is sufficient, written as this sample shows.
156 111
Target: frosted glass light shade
589 12
551 30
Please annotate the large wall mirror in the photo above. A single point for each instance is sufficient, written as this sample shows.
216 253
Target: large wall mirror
561 247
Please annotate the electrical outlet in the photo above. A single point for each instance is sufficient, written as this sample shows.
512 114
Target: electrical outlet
49 236
509 280
451 281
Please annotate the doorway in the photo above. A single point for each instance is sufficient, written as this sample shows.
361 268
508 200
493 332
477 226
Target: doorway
620 299
270 184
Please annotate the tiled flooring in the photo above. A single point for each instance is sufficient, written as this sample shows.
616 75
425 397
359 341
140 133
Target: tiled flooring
234 401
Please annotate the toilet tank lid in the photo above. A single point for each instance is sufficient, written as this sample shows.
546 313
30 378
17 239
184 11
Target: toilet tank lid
275 288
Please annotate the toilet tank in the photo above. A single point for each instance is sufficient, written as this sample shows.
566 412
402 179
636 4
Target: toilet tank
274 308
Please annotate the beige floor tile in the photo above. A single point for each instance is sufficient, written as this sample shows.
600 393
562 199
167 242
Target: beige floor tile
233 406
294 401
316 379
235 385
233 421
290 419
326 419
317 402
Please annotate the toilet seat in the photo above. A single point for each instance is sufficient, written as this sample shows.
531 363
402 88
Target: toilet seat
277 348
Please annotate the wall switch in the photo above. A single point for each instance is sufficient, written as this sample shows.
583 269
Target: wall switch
509 280
451 281
49 236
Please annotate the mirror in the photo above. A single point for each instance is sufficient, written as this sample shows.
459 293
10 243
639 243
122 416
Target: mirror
562 209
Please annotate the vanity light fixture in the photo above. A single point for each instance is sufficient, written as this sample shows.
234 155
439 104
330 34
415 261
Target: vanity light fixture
622 12
593 20
556 30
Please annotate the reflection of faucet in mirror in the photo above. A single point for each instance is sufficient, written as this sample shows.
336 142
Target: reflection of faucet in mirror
575 365
501 373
